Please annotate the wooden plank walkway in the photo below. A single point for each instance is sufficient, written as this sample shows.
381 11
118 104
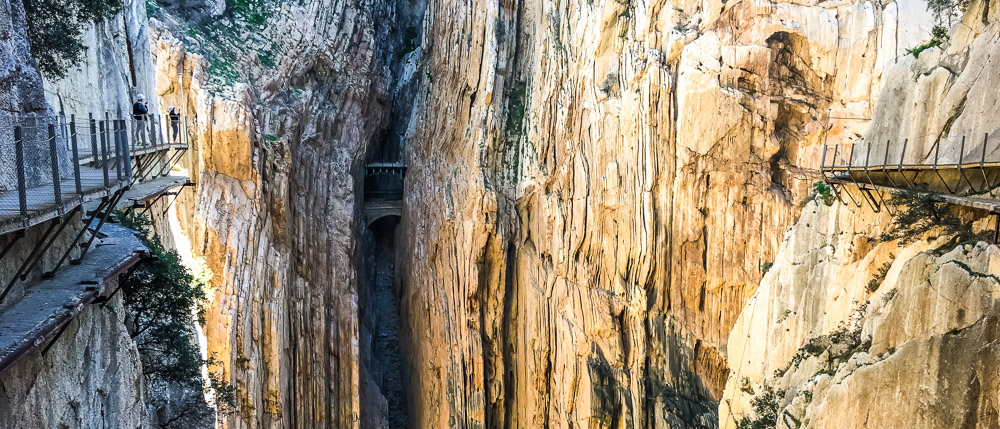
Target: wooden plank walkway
46 306
41 201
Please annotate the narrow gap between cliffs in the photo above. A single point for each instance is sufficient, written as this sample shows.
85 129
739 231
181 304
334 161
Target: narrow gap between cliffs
386 357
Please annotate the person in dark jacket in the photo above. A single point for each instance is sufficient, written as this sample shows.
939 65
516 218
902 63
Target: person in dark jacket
139 112
175 123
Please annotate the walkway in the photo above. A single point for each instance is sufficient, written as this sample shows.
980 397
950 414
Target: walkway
100 167
92 159
383 193
953 170
51 304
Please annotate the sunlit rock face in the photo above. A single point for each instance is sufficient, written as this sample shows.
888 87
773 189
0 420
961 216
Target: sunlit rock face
850 329
844 322
594 188
274 210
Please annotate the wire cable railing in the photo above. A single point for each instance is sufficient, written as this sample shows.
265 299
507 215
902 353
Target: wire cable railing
960 166
50 164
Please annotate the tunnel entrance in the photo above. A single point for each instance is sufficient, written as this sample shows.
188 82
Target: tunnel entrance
381 316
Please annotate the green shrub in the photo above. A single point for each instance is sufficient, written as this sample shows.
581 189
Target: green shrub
919 212
161 296
55 28
879 277
939 35
516 108
823 192
765 410
842 343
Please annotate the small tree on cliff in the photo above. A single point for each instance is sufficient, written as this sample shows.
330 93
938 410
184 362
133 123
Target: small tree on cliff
161 297
55 28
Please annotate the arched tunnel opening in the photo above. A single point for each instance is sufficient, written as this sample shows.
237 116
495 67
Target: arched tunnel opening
383 358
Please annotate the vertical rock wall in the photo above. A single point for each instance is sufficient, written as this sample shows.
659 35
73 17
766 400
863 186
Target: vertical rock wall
594 188
850 329
274 210
91 377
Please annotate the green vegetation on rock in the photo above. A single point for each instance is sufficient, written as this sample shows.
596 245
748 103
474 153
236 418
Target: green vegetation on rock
161 297
55 29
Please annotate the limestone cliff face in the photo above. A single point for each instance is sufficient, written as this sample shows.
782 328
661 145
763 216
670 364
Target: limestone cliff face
850 330
91 377
838 352
274 211
595 186
115 67
594 190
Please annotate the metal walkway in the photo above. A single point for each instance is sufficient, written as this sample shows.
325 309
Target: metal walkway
54 172
50 165
46 308
956 171
61 171
383 193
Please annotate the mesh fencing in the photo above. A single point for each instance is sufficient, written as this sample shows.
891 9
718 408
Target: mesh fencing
48 160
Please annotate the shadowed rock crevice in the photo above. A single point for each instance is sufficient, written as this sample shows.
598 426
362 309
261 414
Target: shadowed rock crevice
385 400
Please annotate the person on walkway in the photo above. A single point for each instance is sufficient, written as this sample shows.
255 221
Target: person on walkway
139 112
175 123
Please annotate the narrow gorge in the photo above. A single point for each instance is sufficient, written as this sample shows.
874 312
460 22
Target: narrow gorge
499 214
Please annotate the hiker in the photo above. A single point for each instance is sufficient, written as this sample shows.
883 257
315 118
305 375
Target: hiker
175 123
139 111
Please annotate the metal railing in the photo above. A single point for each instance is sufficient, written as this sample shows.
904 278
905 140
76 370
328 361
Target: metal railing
384 181
958 166
50 164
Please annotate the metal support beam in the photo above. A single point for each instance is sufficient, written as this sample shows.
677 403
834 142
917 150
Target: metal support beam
38 245
104 218
62 226
79 235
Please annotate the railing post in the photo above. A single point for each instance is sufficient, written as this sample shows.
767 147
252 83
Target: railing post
152 129
159 131
63 128
961 167
54 158
937 151
141 127
885 164
22 191
76 154
127 151
899 168
104 154
982 165
119 162
93 138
